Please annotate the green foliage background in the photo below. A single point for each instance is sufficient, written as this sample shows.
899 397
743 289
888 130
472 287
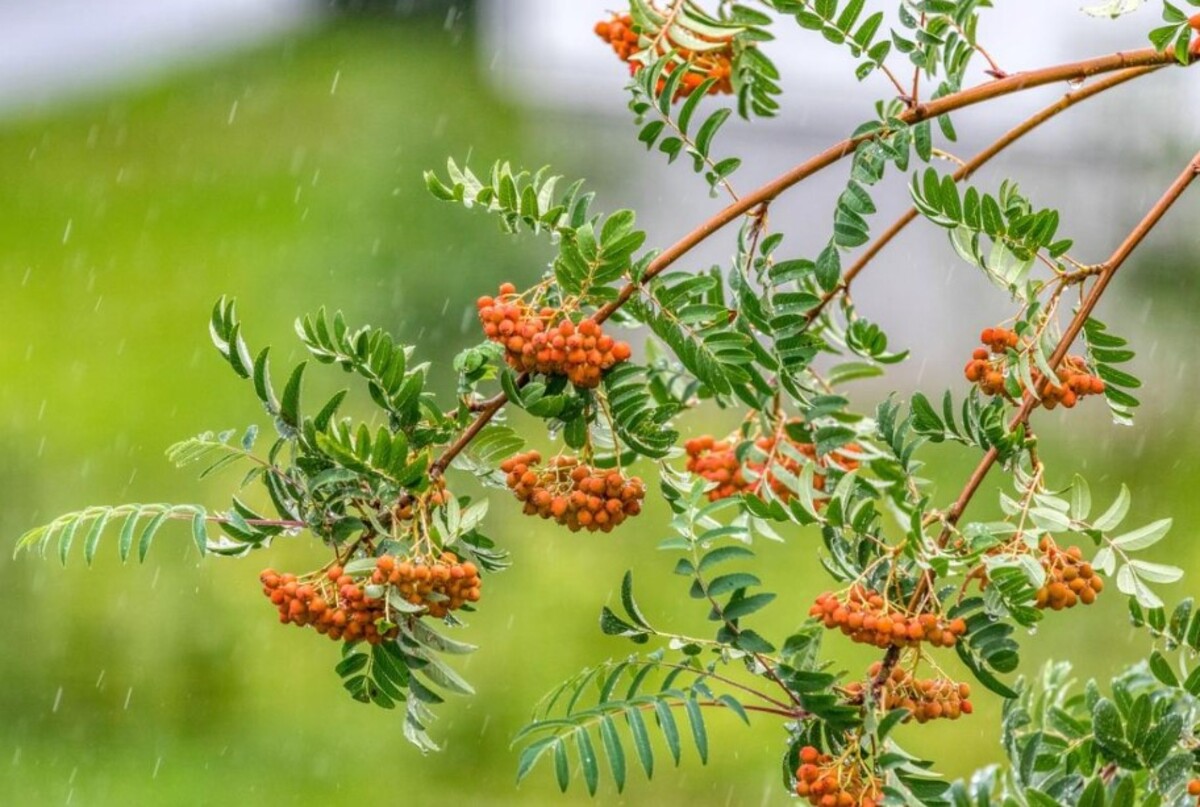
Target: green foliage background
170 683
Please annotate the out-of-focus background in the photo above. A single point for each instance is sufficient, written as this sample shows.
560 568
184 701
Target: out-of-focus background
155 154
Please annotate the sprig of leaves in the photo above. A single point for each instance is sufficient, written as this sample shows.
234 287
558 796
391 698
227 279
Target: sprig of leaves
1105 350
618 704
647 99
1017 232
1177 34
140 524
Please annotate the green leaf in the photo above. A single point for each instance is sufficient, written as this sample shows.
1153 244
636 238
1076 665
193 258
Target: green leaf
93 537
829 268
722 554
740 608
613 750
670 731
731 582
529 756
641 739
289 407
587 761
1143 537
699 733
708 130
1162 669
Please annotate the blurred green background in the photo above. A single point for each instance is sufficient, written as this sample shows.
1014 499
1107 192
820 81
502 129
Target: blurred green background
172 683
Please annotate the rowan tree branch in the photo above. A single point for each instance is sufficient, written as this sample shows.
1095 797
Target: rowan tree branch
1028 401
1070 71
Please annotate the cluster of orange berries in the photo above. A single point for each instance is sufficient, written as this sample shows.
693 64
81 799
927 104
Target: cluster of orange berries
716 461
987 370
865 617
439 586
1070 580
618 31
573 493
331 602
926 698
533 343
827 782
337 605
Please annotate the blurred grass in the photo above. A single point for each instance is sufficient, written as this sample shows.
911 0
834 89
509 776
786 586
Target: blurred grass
171 683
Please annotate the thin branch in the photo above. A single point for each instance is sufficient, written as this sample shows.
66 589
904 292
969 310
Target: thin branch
1071 71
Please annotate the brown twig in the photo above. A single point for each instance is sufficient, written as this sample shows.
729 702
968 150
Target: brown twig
1070 71
1029 402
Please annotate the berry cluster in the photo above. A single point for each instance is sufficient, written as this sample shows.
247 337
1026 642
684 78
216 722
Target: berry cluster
866 617
827 782
337 605
440 586
926 698
572 493
1069 579
534 343
717 462
987 370
331 602
1074 382
716 63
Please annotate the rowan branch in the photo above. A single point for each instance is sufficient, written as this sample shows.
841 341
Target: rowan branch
1070 71
1028 401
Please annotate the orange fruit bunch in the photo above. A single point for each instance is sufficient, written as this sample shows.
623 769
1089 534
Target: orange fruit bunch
987 370
717 462
337 605
331 602
573 493
926 698
619 32
1074 382
1070 580
866 617
535 343
827 782
439 586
